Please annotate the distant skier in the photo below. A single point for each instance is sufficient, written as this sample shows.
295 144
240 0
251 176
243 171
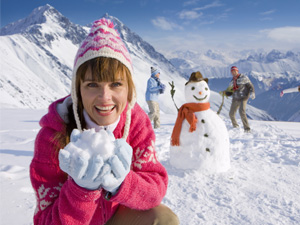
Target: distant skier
290 90
241 89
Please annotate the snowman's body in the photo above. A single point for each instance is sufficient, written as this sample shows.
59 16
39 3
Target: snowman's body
206 148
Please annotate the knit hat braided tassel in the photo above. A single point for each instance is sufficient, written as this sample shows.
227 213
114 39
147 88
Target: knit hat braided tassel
102 41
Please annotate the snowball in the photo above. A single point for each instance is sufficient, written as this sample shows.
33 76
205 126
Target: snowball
92 143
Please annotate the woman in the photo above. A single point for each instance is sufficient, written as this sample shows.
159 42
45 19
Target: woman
125 188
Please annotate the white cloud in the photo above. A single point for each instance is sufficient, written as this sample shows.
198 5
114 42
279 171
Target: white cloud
190 15
283 38
267 12
183 41
266 15
266 19
164 24
191 2
285 34
212 5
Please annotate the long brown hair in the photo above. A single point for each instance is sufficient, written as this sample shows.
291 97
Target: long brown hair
103 70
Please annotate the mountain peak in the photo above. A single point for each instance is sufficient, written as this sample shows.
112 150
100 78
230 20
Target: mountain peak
38 16
42 9
34 26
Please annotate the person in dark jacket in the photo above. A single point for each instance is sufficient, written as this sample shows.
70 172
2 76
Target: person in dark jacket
240 88
154 89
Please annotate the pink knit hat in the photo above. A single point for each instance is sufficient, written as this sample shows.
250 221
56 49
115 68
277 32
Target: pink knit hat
102 41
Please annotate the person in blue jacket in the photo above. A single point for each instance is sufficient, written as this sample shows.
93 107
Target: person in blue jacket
154 89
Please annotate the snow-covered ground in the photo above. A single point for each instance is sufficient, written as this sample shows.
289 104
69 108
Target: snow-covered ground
262 186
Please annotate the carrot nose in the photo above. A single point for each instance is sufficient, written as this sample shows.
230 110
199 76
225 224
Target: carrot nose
200 92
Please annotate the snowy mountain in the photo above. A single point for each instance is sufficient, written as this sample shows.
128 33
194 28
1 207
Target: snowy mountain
216 64
37 55
270 72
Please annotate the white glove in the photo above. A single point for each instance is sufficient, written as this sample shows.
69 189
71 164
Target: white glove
81 168
120 166
83 158
252 95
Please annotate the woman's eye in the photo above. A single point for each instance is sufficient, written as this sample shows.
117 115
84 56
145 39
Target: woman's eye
116 84
92 85
193 88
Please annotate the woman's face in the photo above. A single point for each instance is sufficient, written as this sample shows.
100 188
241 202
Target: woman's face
103 101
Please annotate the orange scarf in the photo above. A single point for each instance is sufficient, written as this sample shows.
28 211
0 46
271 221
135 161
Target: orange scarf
186 111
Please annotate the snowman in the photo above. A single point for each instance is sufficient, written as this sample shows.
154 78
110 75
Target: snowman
200 138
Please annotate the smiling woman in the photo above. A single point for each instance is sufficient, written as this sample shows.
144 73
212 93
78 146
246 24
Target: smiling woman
104 97
95 159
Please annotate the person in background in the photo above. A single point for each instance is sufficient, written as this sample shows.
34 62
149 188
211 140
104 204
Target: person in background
240 88
290 90
154 89
73 187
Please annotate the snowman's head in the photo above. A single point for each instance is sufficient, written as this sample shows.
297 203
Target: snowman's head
197 92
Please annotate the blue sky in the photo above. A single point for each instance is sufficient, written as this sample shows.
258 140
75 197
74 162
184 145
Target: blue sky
185 24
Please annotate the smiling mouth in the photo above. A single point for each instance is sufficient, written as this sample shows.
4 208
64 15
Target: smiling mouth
199 99
105 109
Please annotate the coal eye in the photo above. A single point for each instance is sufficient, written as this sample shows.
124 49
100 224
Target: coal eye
206 89
193 88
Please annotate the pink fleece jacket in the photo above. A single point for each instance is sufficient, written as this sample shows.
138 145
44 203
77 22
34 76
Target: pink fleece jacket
61 201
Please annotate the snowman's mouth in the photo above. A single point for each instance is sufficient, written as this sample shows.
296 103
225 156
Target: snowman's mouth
199 99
